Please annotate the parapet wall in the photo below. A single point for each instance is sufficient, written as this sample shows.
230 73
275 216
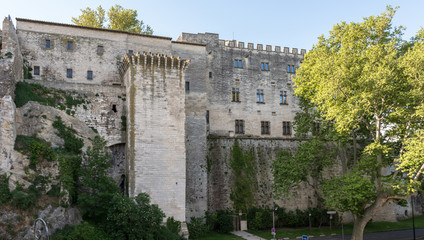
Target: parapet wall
260 47
10 59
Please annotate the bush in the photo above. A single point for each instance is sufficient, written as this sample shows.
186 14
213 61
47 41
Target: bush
259 218
224 221
22 200
5 194
299 218
82 231
197 228
37 149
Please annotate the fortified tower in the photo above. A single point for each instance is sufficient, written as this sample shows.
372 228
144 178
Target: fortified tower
156 152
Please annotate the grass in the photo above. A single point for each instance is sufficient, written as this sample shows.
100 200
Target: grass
371 227
219 236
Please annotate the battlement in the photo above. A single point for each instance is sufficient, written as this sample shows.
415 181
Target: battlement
260 47
152 61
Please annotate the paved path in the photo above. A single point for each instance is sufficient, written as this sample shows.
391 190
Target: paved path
247 235
387 235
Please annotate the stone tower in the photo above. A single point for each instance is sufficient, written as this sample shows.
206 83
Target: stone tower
156 152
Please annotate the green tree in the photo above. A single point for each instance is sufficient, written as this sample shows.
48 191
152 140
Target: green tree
119 18
357 80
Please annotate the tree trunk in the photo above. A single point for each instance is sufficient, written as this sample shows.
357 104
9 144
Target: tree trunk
358 227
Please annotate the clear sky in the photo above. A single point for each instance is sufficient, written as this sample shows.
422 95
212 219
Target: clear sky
279 23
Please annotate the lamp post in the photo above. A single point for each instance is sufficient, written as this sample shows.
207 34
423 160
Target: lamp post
413 217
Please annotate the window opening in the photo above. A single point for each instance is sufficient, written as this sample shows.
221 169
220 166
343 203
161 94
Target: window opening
236 95
286 129
36 70
265 127
69 73
90 75
260 95
239 126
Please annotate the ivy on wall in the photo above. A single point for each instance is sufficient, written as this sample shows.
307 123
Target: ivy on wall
242 165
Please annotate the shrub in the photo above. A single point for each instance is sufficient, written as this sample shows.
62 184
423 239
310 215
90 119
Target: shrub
5 194
22 200
37 149
72 144
197 228
224 221
82 231
259 218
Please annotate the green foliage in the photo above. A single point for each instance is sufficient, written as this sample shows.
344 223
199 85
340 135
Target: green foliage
37 149
173 225
97 189
124 123
119 18
82 231
245 183
5 194
72 144
69 167
221 221
197 228
22 200
8 54
27 70
259 218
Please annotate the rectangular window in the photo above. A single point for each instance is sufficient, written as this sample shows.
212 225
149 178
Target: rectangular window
70 45
236 95
283 97
239 126
69 73
290 69
99 50
265 127
130 52
210 74
47 43
90 75
36 70
286 129
238 63
264 66
259 95
187 86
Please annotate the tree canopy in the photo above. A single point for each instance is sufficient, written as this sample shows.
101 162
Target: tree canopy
118 18
366 82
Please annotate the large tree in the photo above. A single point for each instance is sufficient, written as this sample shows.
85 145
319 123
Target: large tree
119 18
367 82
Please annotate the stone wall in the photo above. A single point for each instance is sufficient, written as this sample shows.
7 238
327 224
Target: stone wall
7 133
156 153
10 61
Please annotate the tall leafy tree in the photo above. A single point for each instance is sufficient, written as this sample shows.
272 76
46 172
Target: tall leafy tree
119 18
363 78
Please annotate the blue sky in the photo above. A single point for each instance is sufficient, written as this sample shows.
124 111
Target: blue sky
283 23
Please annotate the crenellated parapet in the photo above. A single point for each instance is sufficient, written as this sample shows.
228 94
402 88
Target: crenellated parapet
153 61
260 47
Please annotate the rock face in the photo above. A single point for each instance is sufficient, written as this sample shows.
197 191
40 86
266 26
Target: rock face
7 133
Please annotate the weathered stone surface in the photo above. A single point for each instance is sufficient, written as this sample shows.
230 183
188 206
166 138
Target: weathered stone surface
7 133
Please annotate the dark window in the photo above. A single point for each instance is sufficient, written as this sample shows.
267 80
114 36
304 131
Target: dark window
260 96
264 66
286 129
69 73
187 86
114 108
47 43
207 116
238 63
236 95
90 75
210 74
70 45
100 50
36 70
130 52
283 97
290 69
265 127
239 126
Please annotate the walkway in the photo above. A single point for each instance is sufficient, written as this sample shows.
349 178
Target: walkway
247 235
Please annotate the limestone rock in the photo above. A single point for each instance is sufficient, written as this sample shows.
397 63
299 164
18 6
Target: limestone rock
7 133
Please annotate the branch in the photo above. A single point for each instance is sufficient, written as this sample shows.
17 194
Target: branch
419 172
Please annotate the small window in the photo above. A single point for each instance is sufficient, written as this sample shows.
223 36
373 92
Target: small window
114 108
239 128
283 97
238 63
187 86
70 45
264 66
260 96
236 95
36 70
265 127
210 74
100 50
130 52
69 73
207 116
90 75
48 43
290 69
286 129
